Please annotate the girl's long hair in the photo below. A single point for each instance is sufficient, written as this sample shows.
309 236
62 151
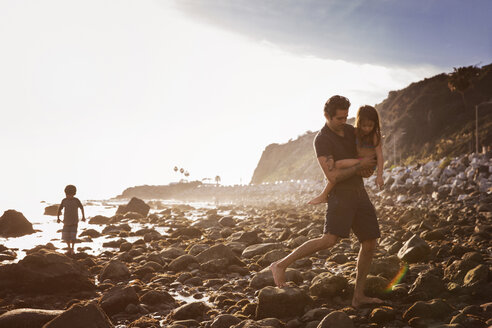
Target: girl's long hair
368 113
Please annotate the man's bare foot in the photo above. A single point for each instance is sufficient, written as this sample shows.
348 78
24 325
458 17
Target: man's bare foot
357 302
278 274
318 200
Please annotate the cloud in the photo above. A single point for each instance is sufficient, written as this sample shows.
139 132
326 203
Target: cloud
387 32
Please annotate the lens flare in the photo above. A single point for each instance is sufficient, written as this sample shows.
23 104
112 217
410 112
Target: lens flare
396 280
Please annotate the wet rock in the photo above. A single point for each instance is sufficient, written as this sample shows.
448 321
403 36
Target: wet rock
145 322
117 299
265 278
327 285
115 270
414 250
181 263
190 232
153 297
172 253
433 309
20 318
51 210
382 314
134 205
281 302
429 283
436 234
259 249
248 238
336 319
227 221
14 224
316 314
225 321
45 271
271 257
81 316
195 310
90 233
458 269
375 286
100 220
219 252
388 266
476 276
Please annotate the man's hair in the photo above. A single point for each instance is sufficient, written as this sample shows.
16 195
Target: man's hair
70 190
334 103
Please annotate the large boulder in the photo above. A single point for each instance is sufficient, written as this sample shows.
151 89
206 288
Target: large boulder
20 318
115 270
336 319
219 251
81 316
194 310
99 219
327 284
134 205
437 308
414 250
265 278
45 271
14 224
51 210
117 299
281 302
259 249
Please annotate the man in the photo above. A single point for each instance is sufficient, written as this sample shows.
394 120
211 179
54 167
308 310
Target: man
349 206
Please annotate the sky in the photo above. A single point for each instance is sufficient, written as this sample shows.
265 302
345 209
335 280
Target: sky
110 94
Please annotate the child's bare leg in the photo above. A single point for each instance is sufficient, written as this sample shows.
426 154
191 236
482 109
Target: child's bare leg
323 197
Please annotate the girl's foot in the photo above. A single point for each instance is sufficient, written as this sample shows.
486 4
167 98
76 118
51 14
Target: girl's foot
320 199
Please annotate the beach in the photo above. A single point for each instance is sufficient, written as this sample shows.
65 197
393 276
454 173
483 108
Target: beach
207 264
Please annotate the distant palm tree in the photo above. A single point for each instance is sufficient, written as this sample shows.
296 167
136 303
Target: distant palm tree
175 169
217 179
462 79
181 170
186 174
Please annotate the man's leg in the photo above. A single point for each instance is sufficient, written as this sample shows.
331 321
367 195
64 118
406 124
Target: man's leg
309 247
364 260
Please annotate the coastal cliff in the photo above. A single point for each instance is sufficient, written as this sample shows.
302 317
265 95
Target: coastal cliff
421 122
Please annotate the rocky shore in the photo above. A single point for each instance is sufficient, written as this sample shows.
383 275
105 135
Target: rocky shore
210 268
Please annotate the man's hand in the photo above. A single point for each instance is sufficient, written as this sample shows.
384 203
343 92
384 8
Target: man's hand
58 220
380 182
83 219
367 162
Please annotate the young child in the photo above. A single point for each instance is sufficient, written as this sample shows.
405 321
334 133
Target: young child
369 143
70 216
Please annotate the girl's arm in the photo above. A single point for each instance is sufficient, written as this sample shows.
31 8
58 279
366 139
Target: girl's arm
345 163
380 164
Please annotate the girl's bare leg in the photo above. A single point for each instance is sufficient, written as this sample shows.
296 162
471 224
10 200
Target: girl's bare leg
323 197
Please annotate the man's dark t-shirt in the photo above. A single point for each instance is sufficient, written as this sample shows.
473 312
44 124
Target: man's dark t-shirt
328 143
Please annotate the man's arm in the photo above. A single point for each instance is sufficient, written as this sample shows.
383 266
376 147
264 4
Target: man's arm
335 175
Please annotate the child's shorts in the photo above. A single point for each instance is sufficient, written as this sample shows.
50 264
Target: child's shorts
69 232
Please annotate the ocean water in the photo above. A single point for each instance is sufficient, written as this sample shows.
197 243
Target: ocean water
49 231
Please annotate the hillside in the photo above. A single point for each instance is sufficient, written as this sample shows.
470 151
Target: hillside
420 122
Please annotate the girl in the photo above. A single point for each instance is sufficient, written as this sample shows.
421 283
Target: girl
369 143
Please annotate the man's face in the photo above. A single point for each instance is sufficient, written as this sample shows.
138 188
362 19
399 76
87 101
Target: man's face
338 120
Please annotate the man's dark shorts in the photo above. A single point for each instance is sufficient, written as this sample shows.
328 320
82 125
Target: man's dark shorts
351 209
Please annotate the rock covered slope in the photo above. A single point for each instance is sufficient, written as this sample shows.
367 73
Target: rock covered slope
423 121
